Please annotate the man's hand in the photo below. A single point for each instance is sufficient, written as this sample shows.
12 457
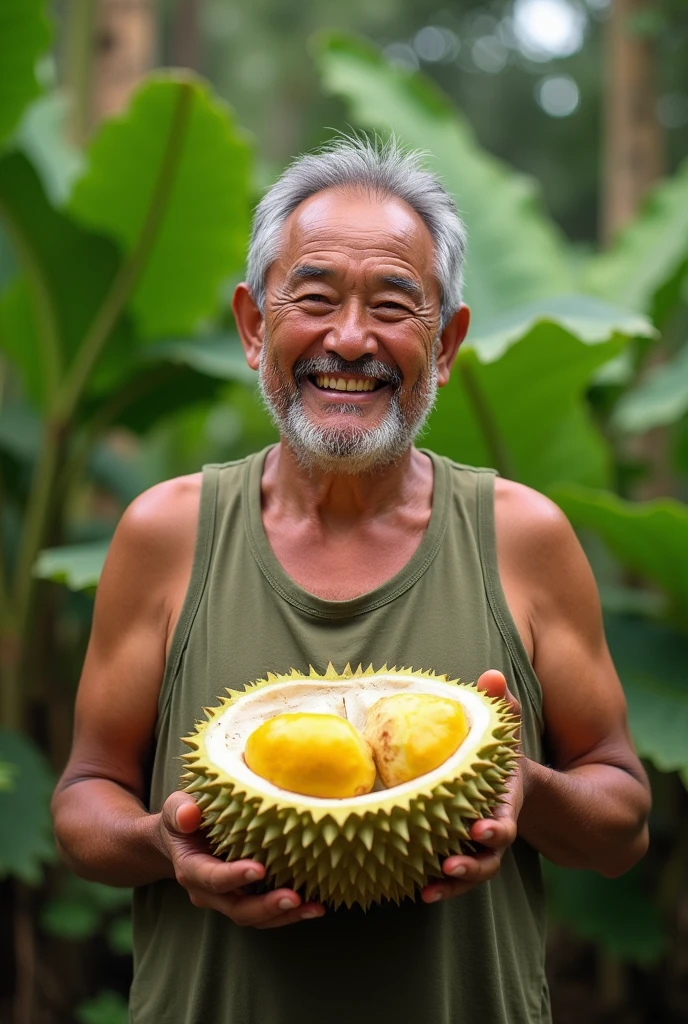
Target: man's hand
496 834
215 884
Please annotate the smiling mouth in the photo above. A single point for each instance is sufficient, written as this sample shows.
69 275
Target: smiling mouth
349 384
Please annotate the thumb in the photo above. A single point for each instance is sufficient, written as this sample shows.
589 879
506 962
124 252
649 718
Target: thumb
494 684
181 814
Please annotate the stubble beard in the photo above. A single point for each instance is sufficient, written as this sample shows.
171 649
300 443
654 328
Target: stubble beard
345 448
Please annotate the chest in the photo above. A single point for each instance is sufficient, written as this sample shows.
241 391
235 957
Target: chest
343 565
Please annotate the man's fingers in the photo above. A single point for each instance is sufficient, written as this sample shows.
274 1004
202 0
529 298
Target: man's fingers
497 833
202 873
464 872
273 910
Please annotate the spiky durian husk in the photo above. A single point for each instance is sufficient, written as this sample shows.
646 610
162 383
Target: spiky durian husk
341 854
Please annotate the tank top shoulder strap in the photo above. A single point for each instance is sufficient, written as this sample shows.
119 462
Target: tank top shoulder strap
219 482
495 593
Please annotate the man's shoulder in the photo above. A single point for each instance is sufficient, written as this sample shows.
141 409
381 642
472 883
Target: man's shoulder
530 526
167 504
161 522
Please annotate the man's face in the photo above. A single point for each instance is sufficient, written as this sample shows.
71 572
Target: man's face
351 319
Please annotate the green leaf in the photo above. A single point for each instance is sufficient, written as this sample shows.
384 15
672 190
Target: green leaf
218 356
649 537
77 566
107 1008
651 661
66 274
24 37
20 432
650 253
43 136
515 252
8 774
119 936
515 400
660 399
169 180
70 919
616 913
26 842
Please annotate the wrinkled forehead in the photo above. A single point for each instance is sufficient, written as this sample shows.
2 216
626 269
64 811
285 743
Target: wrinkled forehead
359 223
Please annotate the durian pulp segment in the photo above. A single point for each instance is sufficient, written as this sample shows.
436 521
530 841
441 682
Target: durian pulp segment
350 698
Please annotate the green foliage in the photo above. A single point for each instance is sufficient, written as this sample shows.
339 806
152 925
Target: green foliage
644 267
67 273
516 398
24 37
648 537
651 660
617 912
84 909
660 399
26 837
107 1008
168 181
42 136
77 566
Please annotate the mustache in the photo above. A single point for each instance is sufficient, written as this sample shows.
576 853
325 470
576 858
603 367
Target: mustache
366 366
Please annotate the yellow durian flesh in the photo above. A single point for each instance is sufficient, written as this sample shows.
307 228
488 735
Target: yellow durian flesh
312 754
413 733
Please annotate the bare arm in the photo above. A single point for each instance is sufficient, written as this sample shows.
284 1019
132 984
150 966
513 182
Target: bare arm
589 807
103 829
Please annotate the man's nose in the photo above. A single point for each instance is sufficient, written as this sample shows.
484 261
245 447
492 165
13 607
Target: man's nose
350 335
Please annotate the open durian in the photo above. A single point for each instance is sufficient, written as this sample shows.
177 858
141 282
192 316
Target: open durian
383 844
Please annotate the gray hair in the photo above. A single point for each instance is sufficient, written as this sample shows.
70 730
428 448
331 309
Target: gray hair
379 167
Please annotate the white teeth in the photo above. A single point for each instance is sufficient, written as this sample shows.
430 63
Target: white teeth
342 384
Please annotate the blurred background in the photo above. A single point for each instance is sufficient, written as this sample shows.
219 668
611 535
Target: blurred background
135 138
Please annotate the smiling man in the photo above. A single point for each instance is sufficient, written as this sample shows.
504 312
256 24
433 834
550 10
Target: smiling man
346 543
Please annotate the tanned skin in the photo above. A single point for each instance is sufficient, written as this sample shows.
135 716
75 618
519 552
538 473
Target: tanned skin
370 289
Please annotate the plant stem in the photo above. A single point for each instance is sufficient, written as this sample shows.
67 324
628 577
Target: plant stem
130 271
35 523
42 489
499 457
47 326
79 45
106 414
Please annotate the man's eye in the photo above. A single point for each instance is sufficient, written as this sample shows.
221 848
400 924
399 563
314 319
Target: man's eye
392 305
314 297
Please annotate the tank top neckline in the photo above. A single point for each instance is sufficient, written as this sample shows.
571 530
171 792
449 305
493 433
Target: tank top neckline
388 591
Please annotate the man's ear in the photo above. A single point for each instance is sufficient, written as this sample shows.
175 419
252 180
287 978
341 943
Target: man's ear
250 324
450 341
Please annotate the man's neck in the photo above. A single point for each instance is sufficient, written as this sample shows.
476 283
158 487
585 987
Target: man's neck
339 500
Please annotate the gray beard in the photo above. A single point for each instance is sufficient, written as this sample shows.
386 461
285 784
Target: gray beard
346 449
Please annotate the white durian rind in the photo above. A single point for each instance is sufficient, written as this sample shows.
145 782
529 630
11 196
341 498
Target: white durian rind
384 845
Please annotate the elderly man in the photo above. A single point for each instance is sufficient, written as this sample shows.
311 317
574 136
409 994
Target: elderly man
344 542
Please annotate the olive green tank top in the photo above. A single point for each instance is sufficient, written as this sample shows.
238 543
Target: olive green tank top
475 958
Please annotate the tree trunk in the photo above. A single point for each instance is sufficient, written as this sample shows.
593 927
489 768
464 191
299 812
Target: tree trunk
187 38
633 142
108 46
125 41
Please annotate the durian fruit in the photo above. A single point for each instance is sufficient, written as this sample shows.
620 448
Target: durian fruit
411 734
314 755
361 849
